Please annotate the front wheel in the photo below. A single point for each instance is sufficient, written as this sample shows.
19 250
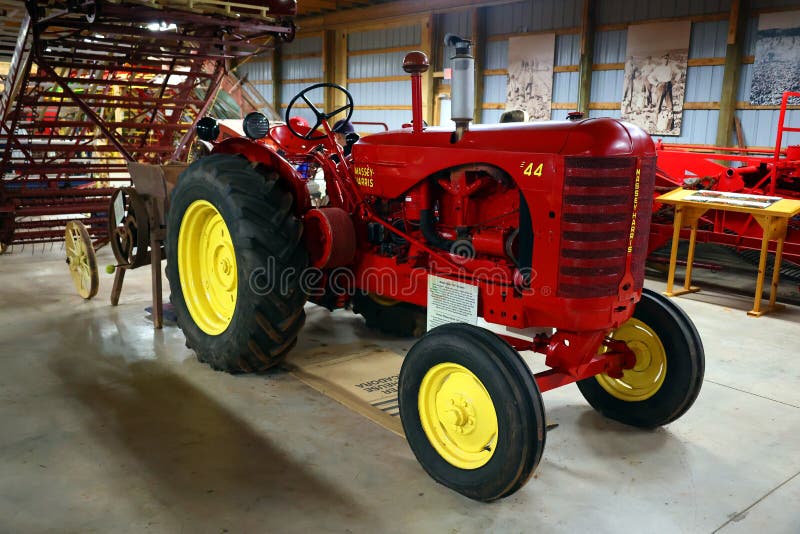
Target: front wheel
668 374
471 411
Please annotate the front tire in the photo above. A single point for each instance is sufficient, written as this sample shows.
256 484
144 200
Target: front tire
471 411
668 374
234 260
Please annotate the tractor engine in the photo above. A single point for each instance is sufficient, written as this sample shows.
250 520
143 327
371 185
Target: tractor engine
471 212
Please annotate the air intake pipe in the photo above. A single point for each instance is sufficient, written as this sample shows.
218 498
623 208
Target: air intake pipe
462 94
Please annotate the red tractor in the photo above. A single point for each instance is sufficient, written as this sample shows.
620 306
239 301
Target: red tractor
537 231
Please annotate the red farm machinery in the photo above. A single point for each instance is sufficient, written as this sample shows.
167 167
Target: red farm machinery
536 232
95 85
759 171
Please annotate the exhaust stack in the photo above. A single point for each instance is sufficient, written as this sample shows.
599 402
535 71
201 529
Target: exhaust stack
462 97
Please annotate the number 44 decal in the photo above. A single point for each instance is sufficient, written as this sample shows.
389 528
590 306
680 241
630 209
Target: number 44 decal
530 170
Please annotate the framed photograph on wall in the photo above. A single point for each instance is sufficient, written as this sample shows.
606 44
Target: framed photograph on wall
777 65
655 76
530 74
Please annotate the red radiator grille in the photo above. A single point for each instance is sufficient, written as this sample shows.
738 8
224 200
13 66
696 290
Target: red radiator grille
596 224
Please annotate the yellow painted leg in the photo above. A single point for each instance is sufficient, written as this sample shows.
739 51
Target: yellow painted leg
687 284
673 255
776 275
762 267
693 217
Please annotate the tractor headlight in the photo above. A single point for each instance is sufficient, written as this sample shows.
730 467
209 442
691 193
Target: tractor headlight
256 125
207 129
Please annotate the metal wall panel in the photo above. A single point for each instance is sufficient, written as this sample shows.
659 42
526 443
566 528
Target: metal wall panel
300 112
259 73
289 90
303 45
617 11
301 68
393 118
708 39
265 90
607 86
699 127
745 82
597 113
610 47
497 54
459 23
568 49
704 84
376 65
491 116
750 36
565 87
761 126
384 38
494 89
533 16
377 93
256 70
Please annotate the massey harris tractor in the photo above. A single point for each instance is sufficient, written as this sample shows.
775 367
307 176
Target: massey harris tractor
539 229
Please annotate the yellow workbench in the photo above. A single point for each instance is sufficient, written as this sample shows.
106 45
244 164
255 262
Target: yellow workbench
773 219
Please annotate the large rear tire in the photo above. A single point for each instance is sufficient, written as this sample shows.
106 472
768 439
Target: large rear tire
234 264
669 369
471 411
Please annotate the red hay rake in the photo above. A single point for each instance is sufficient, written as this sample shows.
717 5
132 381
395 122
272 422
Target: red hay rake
95 85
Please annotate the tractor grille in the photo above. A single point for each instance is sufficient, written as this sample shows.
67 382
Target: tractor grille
597 221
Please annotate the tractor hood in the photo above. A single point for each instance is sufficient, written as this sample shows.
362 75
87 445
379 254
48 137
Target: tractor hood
588 137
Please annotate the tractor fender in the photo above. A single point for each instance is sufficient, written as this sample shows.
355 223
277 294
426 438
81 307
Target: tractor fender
271 160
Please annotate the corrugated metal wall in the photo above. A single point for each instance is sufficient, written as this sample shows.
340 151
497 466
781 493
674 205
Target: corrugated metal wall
533 16
389 94
301 66
617 11
703 83
379 53
259 72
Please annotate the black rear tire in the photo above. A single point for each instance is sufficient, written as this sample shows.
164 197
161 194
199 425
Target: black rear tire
269 257
517 404
682 381
394 318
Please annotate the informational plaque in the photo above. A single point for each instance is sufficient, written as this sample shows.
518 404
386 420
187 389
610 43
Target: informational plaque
451 302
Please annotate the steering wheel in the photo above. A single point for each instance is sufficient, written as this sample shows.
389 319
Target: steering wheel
321 116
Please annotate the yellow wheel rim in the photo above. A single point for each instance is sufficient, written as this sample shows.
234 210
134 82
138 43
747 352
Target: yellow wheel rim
458 415
207 267
646 377
81 259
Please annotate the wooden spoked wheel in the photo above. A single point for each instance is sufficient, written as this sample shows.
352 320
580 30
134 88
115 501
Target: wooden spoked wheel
81 259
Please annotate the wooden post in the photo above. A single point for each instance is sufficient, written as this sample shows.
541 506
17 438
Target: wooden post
339 66
276 79
436 59
428 31
329 65
479 51
733 63
587 57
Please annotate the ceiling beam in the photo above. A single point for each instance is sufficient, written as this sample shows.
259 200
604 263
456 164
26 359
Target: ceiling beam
398 9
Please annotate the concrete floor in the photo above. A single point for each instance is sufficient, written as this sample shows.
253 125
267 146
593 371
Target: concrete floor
106 426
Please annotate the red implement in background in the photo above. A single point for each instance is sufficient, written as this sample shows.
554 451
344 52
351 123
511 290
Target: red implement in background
94 85
774 172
